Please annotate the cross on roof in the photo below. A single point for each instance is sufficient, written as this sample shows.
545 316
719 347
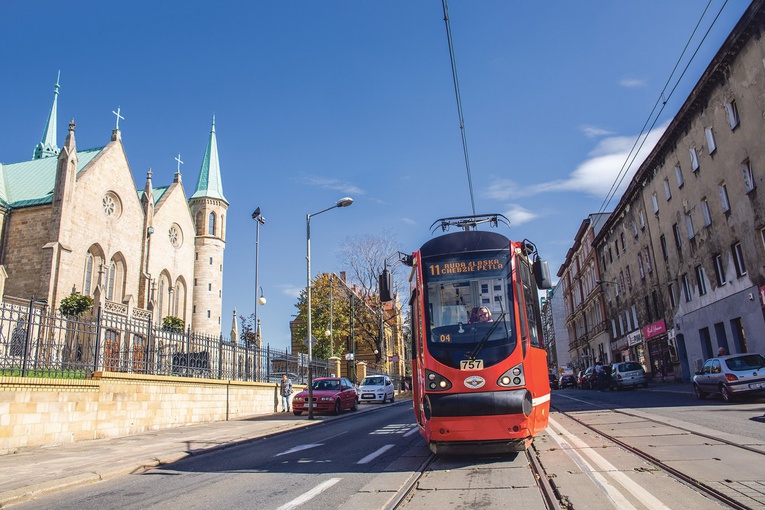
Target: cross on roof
117 113
178 159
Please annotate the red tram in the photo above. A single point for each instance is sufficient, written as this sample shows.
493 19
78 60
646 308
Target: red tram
479 367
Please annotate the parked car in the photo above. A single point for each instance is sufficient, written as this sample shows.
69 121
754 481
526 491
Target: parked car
730 376
580 379
628 373
586 378
330 394
376 388
567 381
553 382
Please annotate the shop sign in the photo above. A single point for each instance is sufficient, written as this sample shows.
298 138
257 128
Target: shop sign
634 338
655 329
621 344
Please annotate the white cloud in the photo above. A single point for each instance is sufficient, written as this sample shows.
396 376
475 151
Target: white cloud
290 290
409 221
594 176
519 215
595 132
504 189
333 184
631 83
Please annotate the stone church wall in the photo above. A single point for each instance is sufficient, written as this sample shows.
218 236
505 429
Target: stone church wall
28 230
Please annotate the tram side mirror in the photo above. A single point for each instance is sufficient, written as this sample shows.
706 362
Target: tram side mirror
542 274
386 284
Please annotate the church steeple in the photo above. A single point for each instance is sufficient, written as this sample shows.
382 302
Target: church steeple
47 147
209 183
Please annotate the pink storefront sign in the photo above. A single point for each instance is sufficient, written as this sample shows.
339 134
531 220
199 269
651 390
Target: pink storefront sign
655 329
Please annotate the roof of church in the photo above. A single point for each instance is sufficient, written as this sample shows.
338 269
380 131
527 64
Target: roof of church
158 192
31 182
209 183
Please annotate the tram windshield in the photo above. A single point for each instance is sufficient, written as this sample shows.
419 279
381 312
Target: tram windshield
470 308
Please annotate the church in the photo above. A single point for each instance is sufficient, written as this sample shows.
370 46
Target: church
75 221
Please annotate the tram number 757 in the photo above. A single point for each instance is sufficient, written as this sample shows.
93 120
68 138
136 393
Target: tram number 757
471 364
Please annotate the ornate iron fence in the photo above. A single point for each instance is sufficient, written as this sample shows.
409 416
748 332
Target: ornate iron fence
37 341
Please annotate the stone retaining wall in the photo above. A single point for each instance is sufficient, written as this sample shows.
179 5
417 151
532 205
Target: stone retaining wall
39 412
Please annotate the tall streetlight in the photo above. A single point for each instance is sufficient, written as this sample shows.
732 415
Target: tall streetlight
343 202
259 220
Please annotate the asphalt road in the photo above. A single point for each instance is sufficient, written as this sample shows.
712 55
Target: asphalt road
319 467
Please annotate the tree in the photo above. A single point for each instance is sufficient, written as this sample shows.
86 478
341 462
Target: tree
75 304
366 256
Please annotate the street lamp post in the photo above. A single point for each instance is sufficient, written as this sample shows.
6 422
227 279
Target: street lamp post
259 220
343 202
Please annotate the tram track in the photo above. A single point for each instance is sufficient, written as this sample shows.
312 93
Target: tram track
689 480
549 495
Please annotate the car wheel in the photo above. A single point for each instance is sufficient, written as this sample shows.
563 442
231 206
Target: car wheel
297 413
337 407
617 387
701 395
725 393
392 398
355 406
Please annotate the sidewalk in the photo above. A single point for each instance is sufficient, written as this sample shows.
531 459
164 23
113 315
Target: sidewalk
41 470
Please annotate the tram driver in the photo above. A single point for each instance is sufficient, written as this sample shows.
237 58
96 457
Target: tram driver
480 314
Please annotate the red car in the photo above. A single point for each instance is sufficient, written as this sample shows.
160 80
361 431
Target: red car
330 394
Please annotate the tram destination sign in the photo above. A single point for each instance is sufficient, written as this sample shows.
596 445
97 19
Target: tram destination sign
464 266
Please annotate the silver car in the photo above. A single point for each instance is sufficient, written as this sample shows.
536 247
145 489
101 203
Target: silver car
628 373
376 388
730 375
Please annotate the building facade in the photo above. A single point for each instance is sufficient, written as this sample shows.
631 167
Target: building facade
683 255
588 338
74 221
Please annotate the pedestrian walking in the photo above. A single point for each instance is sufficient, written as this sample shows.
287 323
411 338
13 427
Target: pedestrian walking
599 375
285 390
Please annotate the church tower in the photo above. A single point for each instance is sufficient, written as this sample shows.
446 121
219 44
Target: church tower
208 209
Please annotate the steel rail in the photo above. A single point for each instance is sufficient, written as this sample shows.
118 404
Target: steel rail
399 500
696 484
548 493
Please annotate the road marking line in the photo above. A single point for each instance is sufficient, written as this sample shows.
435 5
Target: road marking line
372 455
412 431
307 496
633 487
299 448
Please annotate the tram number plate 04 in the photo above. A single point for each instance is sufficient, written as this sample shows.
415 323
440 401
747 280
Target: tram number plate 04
471 364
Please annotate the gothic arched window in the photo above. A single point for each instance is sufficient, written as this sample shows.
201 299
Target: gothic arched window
211 224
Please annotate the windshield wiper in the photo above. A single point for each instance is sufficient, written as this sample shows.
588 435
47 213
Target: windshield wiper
485 338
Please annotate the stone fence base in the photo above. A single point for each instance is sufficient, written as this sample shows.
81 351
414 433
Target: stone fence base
39 412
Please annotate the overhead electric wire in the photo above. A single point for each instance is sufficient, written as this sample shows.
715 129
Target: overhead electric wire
459 102
632 155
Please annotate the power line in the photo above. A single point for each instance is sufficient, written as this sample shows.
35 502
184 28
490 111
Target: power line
459 101
641 138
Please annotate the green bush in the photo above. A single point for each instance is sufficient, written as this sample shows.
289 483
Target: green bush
75 304
172 323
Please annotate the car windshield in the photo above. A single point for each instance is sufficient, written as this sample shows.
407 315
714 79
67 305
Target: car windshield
326 385
629 367
373 381
747 362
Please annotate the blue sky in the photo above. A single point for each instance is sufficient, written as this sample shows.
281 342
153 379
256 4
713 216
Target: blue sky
315 101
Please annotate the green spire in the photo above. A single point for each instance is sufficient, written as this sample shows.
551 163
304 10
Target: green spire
209 183
47 147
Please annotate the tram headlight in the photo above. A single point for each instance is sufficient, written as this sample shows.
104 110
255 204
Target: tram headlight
436 381
513 377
